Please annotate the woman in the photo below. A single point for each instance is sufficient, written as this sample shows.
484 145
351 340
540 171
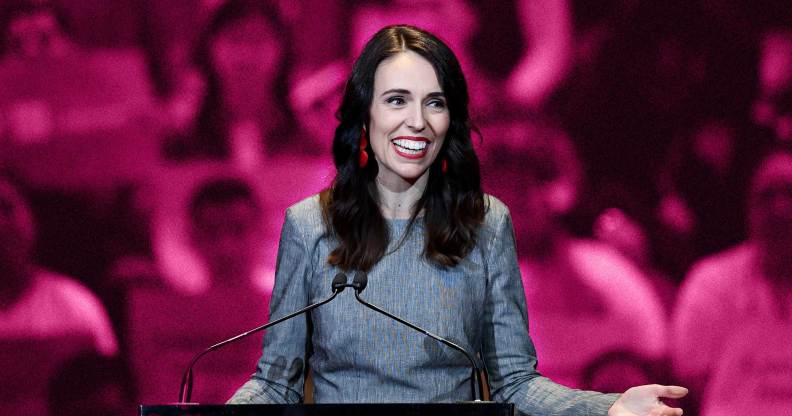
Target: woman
243 60
406 206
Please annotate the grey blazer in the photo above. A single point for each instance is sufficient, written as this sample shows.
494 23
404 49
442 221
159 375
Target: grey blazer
357 355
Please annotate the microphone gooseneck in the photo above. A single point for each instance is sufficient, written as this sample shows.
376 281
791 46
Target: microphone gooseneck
185 390
359 283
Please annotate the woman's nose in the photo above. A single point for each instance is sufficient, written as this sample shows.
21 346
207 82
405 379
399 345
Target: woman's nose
416 120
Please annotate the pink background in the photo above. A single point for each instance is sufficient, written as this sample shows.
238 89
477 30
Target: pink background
628 139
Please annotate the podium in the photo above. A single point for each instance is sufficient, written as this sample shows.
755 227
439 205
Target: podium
394 409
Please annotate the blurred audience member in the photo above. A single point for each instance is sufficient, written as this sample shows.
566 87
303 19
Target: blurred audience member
315 96
194 235
44 317
37 302
732 323
646 73
32 34
33 30
211 243
91 385
628 237
74 117
702 184
614 310
226 227
546 27
242 110
455 21
773 106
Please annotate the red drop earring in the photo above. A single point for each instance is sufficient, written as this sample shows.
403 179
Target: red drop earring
444 165
363 157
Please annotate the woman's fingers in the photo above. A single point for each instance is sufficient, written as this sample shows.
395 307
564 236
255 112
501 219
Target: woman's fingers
672 392
667 411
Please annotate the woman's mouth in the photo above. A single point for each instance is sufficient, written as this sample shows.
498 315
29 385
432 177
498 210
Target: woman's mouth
411 147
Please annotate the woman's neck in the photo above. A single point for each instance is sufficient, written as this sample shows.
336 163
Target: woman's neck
397 197
245 104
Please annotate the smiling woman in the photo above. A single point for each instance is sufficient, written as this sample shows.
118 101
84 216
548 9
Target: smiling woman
409 119
452 266
407 95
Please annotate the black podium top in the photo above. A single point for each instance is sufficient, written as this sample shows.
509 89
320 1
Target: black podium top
395 409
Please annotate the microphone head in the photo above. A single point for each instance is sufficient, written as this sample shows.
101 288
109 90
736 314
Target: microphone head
339 282
360 281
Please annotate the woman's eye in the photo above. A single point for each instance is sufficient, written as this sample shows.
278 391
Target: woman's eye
439 104
395 100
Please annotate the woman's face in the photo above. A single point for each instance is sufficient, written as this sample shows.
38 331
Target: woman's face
770 208
36 34
247 53
409 118
227 235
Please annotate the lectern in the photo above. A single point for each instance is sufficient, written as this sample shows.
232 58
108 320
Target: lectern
395 409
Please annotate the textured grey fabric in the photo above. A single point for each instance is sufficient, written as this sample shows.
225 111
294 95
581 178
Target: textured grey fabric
357 355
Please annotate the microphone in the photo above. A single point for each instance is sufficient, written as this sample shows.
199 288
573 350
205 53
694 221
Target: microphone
359 283
185 390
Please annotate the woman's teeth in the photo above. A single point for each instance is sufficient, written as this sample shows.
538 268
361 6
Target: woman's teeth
411 146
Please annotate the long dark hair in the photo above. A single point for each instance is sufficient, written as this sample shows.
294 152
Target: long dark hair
453 203
212 122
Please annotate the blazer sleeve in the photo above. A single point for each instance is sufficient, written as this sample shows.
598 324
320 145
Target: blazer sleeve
280 371
507 349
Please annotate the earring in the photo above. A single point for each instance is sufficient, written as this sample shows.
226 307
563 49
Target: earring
363 157
444 165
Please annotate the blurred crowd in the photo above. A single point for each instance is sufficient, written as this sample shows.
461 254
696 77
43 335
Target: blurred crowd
148 150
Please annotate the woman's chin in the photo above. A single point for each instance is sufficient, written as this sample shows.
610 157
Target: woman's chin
401 175
412 173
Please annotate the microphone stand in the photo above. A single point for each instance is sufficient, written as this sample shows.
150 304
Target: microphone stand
476 385
185 389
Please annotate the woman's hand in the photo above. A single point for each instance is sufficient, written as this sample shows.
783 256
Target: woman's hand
645 401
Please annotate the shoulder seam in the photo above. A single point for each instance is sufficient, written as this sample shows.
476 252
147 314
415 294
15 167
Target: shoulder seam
495 232
303 240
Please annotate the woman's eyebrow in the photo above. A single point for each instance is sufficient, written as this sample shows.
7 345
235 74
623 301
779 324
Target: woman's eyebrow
407 92
396 90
